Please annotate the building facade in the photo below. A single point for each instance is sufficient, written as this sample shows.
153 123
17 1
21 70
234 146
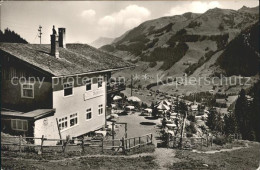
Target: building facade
55 90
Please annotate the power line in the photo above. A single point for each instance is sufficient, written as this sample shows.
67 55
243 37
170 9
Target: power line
40 33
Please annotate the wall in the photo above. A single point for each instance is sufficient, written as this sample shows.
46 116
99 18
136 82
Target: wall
78 103
13 69
11 97
47 127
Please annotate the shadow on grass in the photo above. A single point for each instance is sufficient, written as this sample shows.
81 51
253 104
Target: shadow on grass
148 123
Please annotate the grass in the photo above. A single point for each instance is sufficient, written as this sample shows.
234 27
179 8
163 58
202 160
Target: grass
226 146
57 160
146 162
74 151
246 158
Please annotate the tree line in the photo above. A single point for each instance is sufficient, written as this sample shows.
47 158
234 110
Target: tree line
11 37
244 119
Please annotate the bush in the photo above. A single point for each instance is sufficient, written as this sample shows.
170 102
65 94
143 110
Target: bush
189 135
191 118
220 140
191 128
30 149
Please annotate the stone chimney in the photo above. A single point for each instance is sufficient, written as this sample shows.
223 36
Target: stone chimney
62 37
54 43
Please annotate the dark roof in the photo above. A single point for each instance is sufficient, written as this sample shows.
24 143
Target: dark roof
75 59
35 114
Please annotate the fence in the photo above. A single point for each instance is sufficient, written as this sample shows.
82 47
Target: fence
197 142
135 142
125 144
189 143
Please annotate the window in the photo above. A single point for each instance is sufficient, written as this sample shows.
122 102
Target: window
89 114
100 81
18 124
27 90
73 119
100 109
88 84
63 123
68 88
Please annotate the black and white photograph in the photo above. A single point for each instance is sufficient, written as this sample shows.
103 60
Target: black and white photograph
130 85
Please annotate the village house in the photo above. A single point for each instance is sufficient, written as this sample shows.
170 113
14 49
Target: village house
55 90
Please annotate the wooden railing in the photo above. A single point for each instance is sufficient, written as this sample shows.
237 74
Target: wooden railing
139 141
116 87
189 143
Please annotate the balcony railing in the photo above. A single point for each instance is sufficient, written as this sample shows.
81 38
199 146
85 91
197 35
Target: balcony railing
115 87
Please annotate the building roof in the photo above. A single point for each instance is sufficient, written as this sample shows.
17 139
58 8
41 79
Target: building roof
75 59
34 115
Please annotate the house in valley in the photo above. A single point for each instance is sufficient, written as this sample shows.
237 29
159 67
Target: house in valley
55 90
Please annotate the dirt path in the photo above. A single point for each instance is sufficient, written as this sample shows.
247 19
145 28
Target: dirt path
164 157
221 150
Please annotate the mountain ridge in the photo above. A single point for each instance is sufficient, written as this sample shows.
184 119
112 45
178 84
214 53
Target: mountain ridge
181 44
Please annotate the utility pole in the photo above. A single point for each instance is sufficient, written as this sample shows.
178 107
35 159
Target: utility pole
1 2
40 33
183 129
131 85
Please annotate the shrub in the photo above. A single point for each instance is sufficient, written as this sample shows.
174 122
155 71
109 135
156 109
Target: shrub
191 128
189 135
191 118
220 140
30 149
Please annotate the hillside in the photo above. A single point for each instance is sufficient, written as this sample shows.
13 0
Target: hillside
241 57
101 41
175 45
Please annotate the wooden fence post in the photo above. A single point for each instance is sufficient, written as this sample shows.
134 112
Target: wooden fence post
151 138
134 141
42 139
113 135
20 143
168 140
129 144
123 144
139 142
207 141
82 145
102 145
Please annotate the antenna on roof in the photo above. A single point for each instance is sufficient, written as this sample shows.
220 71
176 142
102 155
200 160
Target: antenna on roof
40 33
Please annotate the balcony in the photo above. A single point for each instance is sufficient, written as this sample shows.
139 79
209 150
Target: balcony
115 87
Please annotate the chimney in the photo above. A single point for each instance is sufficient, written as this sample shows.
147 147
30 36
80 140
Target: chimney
54 43
62 37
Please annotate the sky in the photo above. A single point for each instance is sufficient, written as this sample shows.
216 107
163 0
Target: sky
86 21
